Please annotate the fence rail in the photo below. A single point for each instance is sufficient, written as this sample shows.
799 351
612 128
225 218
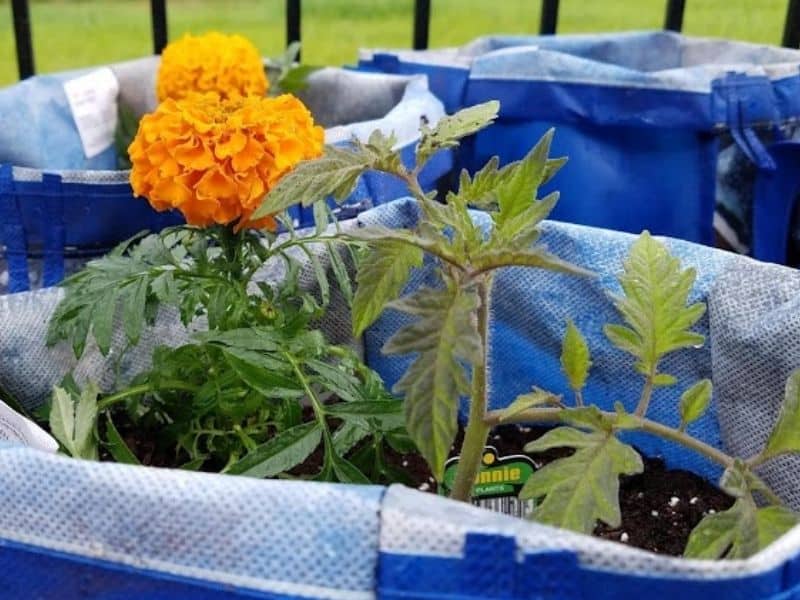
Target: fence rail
548 24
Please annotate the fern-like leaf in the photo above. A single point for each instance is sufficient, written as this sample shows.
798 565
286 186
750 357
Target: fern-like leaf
445 338
654 306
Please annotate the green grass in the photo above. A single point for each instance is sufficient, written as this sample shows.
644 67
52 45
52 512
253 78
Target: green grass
74 33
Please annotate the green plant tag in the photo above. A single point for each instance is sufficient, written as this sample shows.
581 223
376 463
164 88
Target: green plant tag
498 482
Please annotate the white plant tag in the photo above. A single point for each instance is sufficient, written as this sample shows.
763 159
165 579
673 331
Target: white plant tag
21 430
93 101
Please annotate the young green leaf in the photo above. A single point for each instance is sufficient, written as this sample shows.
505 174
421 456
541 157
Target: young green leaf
282 452
694 402
785 436
582 488
450 129
575 359
389 414
335 174
444 337
116 445
740 531
495 258
654 306
73 423
523 402
347 472
382 274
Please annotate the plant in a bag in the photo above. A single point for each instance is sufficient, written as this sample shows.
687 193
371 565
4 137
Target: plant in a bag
450 339
250 385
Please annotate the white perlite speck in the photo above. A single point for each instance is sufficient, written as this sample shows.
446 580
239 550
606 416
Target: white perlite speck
673 502
624 537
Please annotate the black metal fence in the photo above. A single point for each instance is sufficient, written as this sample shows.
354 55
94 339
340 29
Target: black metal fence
548 24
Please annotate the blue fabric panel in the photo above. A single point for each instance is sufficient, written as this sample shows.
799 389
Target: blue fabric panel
623 178
32 572
446 82
598 104
775 198
96 216
53 230
12 233
556 576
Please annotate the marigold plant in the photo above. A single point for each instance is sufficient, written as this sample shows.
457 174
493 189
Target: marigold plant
214 159
227 64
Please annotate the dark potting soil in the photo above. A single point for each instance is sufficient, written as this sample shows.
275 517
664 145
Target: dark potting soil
660 506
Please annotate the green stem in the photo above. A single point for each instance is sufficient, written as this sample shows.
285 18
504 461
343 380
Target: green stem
647 393
316 405
556 415
477 430
139 390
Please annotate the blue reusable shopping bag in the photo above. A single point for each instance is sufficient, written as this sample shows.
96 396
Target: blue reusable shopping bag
74 529
663 132
62 201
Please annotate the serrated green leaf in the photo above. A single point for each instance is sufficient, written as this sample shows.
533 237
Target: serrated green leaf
388 414
654 306
284 451
73 423
537 397
444 337
382 274
625 420
62 419
255 371
133 309
335 174
348 435
694 402
534 257
773 522
575 359
430 242
588 417
340 273
582 488
259 339
347 472
785 436
727 533
450 129
565 437
664 380
116 445
103 321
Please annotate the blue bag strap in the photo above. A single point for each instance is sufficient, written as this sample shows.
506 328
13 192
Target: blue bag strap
12 233
775 194
53 232
491 569
741 102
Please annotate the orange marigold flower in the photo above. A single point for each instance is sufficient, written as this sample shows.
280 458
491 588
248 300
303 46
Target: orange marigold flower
227 64
214 159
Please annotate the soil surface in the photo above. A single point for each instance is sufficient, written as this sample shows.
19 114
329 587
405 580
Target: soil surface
660 506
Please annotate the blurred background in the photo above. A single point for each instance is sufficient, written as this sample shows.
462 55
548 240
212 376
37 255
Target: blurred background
78 33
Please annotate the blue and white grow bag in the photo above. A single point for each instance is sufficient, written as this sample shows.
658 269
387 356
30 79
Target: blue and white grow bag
660 129
76 529
58 205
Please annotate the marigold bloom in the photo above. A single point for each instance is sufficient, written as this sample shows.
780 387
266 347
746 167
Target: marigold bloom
227 64
214 159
